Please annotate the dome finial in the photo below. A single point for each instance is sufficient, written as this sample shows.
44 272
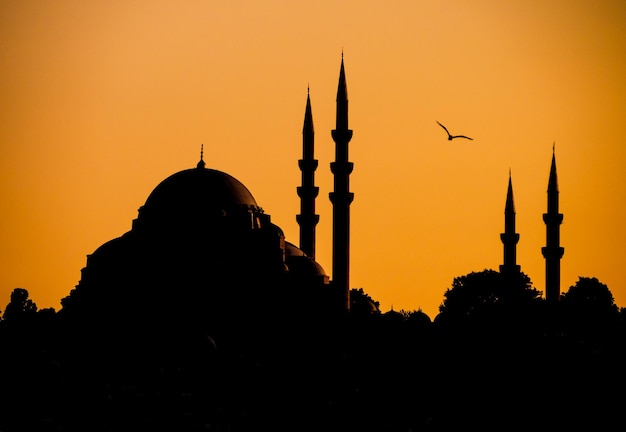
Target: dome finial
201 164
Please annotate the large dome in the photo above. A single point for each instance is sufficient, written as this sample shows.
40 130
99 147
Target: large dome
197 191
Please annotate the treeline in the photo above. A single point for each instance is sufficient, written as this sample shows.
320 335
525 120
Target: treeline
497 356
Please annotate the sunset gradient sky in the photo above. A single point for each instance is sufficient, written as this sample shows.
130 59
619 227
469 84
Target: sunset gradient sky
102 100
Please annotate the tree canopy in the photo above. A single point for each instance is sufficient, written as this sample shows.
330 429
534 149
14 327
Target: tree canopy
487 298
20 306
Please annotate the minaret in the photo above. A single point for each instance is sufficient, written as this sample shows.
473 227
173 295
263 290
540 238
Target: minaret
509 237
553 252
307 219
341 197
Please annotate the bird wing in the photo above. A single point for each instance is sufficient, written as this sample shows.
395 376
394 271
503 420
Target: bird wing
462 136
444 128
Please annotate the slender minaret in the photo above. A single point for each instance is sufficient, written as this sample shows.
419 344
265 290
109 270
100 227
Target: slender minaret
307 219
553 252
341 197
509 237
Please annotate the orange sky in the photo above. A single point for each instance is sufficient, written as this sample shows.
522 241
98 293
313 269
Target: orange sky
100 101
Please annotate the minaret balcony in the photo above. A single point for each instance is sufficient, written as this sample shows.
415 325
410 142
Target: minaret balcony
307 164
341 197
552 251
341 135
553 218
341 167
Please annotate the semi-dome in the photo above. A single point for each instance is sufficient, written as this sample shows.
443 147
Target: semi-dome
197 191
301 263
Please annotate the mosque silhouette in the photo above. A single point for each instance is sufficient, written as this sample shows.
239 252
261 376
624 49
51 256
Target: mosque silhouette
203 317
201 236
201 232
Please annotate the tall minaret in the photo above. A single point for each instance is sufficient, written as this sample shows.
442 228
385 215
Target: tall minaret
341 197
307 219
553 252
509 237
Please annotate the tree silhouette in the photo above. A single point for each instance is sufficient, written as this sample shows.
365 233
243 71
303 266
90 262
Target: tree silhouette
30 380
362 303
282 352
20 307
487 299
589 311
590 294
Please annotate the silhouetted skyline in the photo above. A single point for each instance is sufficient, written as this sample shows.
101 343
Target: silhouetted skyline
203 316
104 102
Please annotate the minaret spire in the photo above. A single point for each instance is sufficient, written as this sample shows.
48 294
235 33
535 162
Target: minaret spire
307 219
553 252
509 237
342 100
341 197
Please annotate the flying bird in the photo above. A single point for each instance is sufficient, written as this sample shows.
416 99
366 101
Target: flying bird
450 136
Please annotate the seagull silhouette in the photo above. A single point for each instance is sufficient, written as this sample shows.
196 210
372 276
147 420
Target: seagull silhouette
451 137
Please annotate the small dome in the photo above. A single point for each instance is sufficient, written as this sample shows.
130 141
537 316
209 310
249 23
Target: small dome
300 263
291 250
197 191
